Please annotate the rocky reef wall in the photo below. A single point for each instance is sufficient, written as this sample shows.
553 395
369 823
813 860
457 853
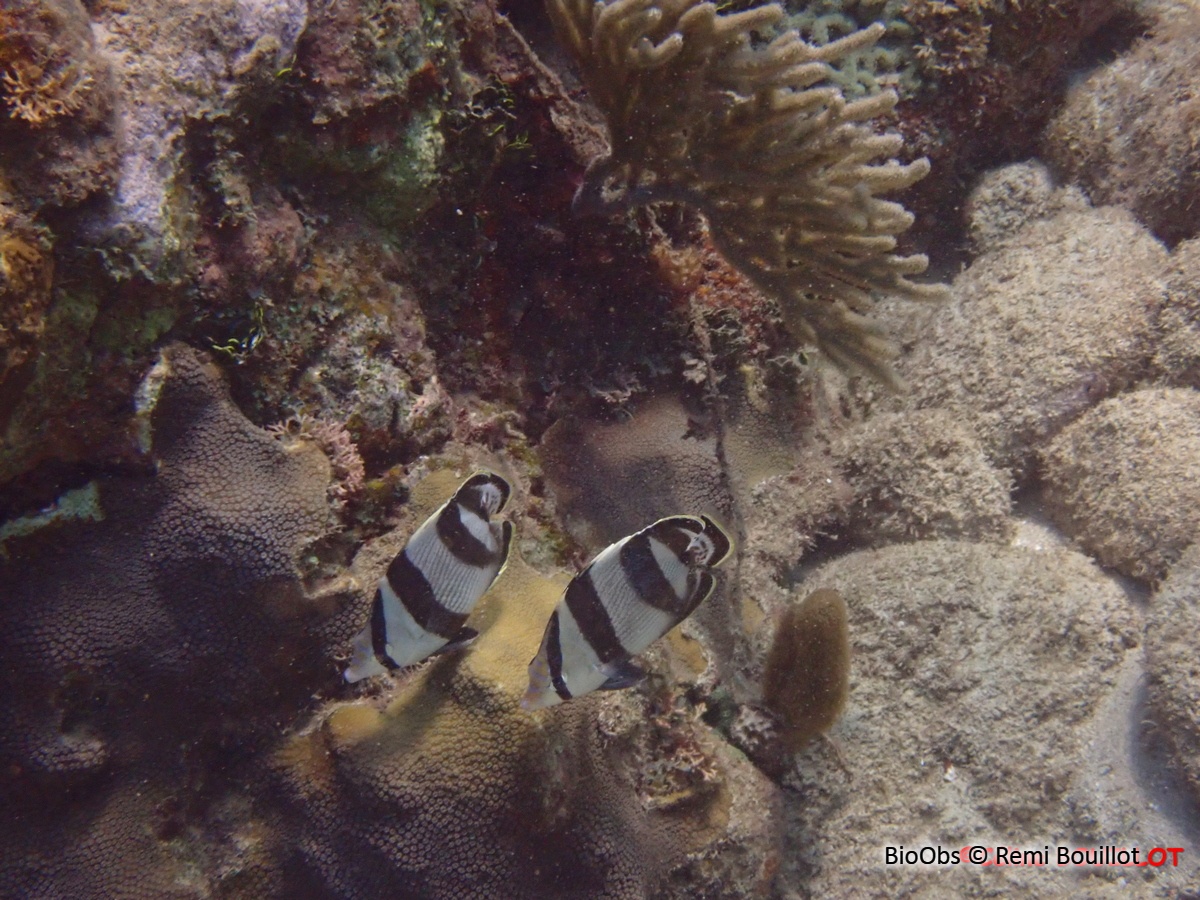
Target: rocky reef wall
276 276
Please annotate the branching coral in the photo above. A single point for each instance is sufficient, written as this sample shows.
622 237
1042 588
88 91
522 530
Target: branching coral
703 110
38 94
42 75
336 443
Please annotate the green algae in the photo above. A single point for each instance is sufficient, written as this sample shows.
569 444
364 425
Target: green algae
81 504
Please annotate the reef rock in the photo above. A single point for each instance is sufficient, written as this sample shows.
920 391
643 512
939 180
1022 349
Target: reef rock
978 678
1172 635
1040 329
59 143
179 62
1126 133
1124 480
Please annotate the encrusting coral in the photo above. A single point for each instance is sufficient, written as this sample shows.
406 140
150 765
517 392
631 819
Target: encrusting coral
148 651
187 589
754 135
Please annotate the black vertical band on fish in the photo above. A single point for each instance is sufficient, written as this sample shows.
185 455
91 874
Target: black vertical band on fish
457 538
418 597
379 632
592 618
554 657
646 575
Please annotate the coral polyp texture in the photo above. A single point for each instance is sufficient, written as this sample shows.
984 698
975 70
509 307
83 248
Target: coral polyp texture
709 110
172 629
187 589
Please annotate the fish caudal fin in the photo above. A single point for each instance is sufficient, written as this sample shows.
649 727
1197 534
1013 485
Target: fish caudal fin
363 663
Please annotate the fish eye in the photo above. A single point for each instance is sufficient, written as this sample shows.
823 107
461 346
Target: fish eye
489 498
700 549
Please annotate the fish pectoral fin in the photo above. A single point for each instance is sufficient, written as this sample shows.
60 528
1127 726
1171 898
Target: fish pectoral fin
619 674
461 640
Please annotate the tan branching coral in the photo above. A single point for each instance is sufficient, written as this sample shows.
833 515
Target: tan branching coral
45 60
703 109
40 93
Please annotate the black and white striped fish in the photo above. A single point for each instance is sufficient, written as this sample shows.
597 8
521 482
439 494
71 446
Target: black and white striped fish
435 581
629 596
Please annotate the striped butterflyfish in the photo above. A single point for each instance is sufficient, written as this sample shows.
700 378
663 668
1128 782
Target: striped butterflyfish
433 584
629 596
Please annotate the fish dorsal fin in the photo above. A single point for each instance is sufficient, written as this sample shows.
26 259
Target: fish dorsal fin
620 673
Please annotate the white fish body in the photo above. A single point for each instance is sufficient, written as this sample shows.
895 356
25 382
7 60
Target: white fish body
629 596
433 584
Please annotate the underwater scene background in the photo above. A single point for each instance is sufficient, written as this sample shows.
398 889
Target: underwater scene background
903 295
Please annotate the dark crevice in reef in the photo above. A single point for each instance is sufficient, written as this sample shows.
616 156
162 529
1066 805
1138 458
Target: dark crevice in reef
1118 34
